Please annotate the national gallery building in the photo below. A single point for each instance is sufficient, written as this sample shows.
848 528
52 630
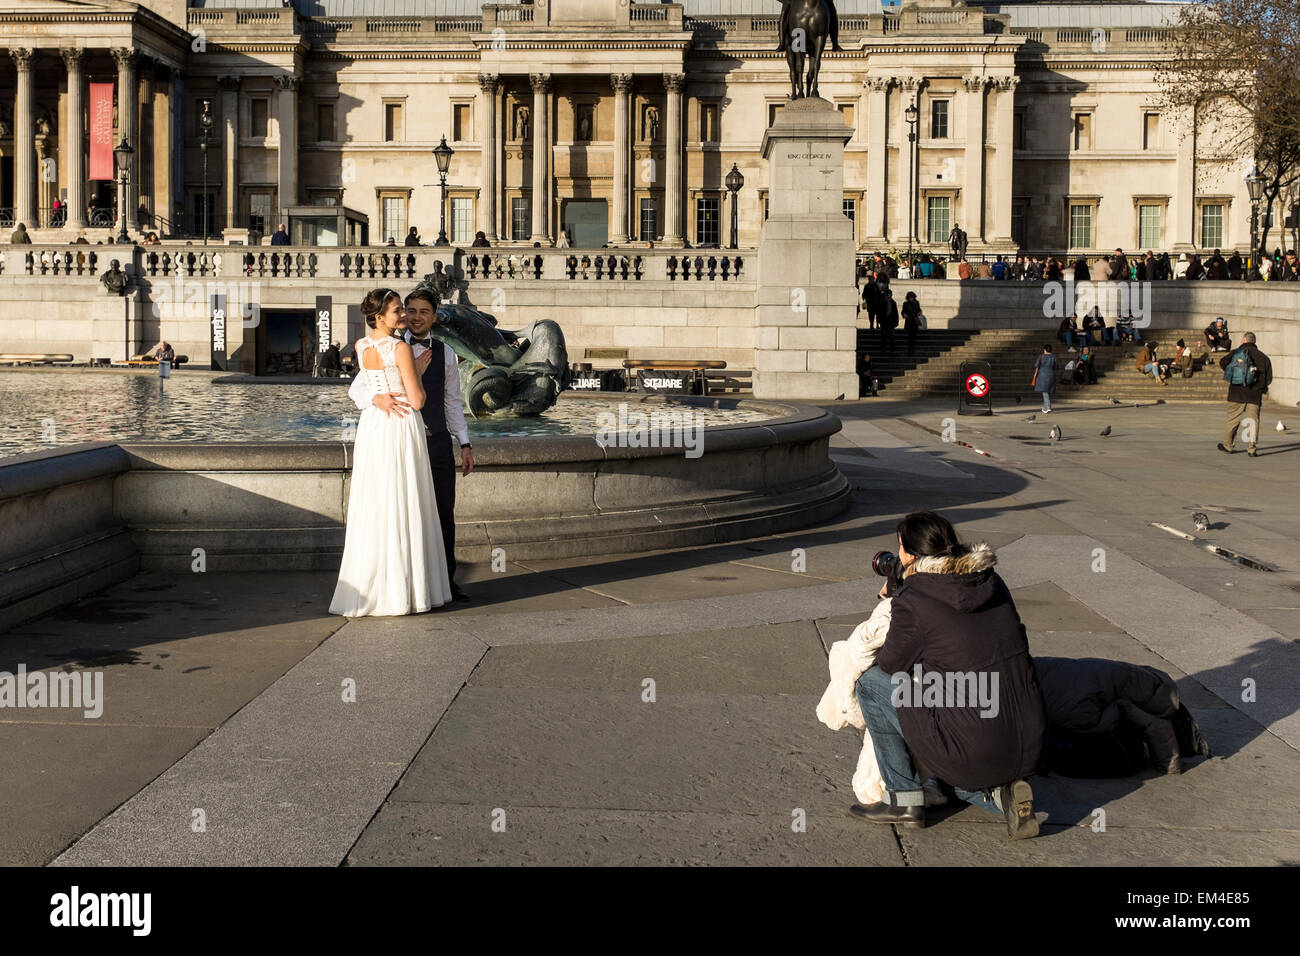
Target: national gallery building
1036 126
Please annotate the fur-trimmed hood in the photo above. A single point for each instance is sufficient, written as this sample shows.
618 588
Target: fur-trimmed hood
980 558
965 582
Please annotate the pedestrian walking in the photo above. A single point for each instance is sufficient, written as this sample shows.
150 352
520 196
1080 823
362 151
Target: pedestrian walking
1044 380
1248 373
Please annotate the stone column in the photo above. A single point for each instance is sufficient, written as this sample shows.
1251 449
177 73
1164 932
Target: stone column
972 206
541 83
24 141
230 151
622 83
874 207
73 140
501 225
164 147
1002 165
675 84
907 95
128 127
1180 233
487 218
286 113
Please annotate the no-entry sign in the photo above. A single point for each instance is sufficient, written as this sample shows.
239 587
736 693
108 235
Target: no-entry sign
975 389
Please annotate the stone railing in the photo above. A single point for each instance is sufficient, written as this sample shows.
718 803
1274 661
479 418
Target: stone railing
282 19
653 16
379 264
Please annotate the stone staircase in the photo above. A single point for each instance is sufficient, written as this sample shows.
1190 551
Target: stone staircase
933 371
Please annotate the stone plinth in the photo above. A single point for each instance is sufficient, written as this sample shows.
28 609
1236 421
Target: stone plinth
806 310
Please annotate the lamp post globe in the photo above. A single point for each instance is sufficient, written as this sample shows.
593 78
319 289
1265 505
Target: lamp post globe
735 181
442 154
122 157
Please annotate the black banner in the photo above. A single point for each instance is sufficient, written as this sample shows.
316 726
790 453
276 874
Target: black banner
217 339
324 322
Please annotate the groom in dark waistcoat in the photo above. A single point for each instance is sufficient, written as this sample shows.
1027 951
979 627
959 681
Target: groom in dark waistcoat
443 415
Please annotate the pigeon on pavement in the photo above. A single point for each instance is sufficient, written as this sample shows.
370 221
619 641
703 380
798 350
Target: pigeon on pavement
1112 399
1031 418
1280 426
1201 520
1055 433
1105 431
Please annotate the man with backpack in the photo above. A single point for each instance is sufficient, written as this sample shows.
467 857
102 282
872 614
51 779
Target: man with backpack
1248 373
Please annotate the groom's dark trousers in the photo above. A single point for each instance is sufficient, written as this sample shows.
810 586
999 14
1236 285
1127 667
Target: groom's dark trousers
442 461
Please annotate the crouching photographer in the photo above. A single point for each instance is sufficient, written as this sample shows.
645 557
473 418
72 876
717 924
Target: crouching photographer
953 689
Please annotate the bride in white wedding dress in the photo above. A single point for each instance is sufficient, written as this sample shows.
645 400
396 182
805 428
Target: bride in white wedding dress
393 558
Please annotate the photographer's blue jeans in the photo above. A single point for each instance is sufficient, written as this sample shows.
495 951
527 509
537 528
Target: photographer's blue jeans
875 690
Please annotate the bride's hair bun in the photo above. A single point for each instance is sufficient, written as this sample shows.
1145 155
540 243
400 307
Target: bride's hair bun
375 302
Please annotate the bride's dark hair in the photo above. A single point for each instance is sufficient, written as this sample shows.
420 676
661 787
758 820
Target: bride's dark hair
376 303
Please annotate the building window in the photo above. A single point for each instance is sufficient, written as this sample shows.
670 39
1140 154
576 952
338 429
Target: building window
462 219
460 123
938 221
205 213
393 123
1083 131
325 122
1080 227
708 122
1149 227
938 119
1212 227
259 109
1151 131
393 218
706 221
1018 223
259 211
1018 131
519 218
649 220
767 205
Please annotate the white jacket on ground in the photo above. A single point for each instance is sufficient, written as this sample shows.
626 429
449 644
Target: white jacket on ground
839 704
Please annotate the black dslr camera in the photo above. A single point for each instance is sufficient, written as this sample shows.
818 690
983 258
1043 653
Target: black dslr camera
887 565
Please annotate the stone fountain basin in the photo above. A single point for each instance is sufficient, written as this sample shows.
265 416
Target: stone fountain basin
95 513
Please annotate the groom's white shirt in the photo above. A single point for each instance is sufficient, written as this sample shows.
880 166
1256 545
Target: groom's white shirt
453 406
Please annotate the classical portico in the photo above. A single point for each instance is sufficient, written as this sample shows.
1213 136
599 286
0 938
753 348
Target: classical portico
54 49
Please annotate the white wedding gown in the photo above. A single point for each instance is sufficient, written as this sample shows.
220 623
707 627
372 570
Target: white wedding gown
393 557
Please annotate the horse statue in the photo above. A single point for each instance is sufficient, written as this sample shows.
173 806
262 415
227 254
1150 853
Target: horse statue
805 26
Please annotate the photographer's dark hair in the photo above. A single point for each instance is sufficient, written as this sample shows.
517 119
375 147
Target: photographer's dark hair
376 303
926 534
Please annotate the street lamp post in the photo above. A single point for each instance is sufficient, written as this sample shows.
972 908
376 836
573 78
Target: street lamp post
122 156
913 117
442 154
1255 187
205 132
735 182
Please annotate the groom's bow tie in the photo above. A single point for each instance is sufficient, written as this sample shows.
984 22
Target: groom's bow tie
427 343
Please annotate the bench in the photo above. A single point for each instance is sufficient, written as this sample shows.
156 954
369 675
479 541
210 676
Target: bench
33 358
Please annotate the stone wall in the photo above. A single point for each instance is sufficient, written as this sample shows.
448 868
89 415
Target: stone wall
1270 310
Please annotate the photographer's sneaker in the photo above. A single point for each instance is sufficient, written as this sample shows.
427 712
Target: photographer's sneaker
1017 802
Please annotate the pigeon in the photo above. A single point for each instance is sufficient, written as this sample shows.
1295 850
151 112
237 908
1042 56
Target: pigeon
1280 426
1201 520
1105 431
1055 433
1112 399
1031 418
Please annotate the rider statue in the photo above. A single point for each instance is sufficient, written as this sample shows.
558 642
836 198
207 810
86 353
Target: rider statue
785 26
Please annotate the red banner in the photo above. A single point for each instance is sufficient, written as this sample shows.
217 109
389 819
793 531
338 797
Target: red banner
101 131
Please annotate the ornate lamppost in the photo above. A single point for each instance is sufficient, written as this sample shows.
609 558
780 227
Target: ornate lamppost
442 154
913 117
1255 187
735 182
122 156
205 137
